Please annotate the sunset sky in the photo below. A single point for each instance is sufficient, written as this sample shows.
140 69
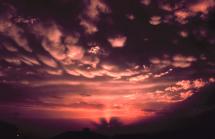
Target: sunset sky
87 60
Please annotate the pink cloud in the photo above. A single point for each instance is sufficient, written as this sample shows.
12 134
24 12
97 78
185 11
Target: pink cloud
162 74
9 47
117 42
183 61
94 50
31 61
94 7
185 95
183 34
182 16
51 40
139 78
75 52
92 61
13 60
145 2
54 72
155 20
184 84
109 67
89 27
130 16
212 80
202 6
47 61
199 83
16 33
177 61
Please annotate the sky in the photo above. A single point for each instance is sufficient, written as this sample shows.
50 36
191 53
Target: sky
87 60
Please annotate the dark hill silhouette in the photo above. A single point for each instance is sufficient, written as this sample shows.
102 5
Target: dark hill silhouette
8 131
85 134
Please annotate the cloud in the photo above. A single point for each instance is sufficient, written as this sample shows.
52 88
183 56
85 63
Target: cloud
94 50
177 61
183 34
60 46
139 78
95 7
98 84
1 74
13 60
186 85
75 52
18 60
192 9
145 2
166 6
89 27
181 64
162 74
14 32
109 67
155 20
47 61
183 61
199 83
31 61
75 105
182 16
91 61
51 33
212 80
117 42
109 71
54 72
29 20
130 16
202 6
9 47
185 95
90 17
51 39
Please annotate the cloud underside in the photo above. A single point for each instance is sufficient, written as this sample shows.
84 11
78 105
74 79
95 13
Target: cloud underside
103 65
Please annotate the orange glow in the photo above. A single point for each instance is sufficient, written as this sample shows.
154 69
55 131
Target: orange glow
125 100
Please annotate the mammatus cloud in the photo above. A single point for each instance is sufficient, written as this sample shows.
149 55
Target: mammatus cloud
130 17
47 61
16 33
139 78
177 61
183 34
145 2
94 50
74 73
155 20
117 42
91 15
88 26
9 47
95 7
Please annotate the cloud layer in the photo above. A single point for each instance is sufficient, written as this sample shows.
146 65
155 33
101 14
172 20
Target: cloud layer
104 59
